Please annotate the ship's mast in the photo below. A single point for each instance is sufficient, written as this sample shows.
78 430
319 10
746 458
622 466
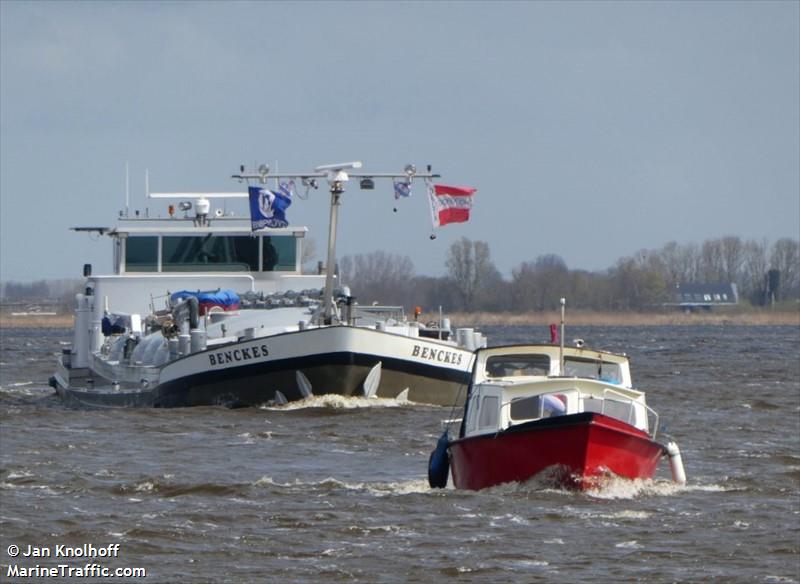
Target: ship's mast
337 176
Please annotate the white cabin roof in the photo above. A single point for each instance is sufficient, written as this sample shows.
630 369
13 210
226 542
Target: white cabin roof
543 360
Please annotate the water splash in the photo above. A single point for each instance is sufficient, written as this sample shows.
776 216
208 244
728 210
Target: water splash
339 402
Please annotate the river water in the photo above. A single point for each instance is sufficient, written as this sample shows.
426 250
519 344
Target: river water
335 490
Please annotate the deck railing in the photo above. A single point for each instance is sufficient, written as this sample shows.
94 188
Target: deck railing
652 427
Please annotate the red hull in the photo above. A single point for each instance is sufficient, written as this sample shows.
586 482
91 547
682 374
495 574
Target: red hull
585 446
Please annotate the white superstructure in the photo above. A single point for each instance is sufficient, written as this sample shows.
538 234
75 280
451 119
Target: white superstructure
138 342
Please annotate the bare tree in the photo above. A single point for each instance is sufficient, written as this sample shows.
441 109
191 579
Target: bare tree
754 271
470 267
732 256
680 263
711 261
638 282
785 257
378 277
539 285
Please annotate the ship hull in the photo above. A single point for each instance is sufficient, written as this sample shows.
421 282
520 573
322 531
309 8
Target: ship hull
574 450
334 360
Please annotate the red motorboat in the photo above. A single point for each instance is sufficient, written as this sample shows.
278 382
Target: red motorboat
568 414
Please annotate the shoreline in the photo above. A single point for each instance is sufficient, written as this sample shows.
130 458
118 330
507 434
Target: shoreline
574 318
592 318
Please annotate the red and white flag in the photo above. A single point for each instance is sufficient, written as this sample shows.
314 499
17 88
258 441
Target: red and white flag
449 204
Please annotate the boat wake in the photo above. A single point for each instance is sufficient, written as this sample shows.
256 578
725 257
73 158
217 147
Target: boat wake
330 484
608 487
621 488
339 402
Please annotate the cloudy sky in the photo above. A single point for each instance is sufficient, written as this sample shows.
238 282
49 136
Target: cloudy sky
591 130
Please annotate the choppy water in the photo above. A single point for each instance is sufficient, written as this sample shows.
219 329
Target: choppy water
335 490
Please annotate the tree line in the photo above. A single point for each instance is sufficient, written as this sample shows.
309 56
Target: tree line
61 292
644 281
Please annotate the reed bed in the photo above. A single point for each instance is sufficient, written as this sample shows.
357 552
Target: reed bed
592 318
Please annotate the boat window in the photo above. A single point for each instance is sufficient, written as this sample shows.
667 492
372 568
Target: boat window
141 254
538 406
592 369
512 365
202 253
280 254
621 410
489 412
526 408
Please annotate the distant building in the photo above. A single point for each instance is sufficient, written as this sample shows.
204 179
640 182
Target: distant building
693 296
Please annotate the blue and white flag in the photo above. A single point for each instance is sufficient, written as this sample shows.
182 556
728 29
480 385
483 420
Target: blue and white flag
268 208
402 189
286 189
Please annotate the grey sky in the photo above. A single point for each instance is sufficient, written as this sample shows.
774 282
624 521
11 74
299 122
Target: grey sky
591 130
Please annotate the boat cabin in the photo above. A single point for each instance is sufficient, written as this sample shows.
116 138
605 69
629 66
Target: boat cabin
155 256
524 383
515 361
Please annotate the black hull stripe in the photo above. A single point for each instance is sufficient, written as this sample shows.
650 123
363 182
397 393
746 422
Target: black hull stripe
323 359
231 382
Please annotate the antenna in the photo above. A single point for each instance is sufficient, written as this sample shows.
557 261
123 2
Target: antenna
127 187
561 347
329 168
337 176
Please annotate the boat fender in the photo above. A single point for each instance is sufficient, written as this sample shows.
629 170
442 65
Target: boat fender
676 463
194 312
439 463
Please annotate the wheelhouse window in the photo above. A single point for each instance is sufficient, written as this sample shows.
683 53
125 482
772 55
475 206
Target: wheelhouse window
513 365
209 252
141 254
214 253
592 369
279 254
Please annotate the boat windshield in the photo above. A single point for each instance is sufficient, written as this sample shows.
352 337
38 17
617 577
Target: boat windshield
538 406
592 369
225 253
514 365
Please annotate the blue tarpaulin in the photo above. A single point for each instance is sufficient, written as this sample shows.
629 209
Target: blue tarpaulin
227 299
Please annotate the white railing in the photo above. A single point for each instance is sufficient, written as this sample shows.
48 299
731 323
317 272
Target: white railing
581 400
634 403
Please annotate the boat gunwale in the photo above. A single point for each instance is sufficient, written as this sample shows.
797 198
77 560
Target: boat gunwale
564 421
